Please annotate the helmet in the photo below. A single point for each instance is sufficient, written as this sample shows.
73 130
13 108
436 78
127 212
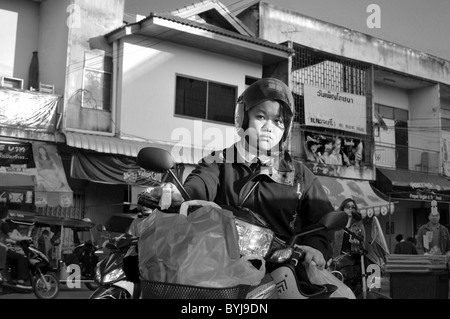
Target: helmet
261 91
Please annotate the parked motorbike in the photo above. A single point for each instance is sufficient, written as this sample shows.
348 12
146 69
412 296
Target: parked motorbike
281 257
351 269
114 275
41 275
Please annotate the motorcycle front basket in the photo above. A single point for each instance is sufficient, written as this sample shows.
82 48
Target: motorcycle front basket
164 290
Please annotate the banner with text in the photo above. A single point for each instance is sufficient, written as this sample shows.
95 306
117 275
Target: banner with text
335 110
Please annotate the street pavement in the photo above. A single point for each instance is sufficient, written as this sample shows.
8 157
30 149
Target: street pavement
84 293
64 293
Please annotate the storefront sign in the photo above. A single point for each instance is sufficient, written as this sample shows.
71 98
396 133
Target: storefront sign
335 110
14 156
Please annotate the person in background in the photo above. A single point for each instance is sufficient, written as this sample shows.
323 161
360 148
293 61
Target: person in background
19 262
404 247
44 244
433 238
413 240
343 242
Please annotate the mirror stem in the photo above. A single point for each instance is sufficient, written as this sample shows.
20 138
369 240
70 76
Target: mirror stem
183 191
293 241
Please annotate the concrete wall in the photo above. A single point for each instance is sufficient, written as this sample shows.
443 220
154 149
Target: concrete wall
148 79
86 34
52 50
391 96
19 34
279 25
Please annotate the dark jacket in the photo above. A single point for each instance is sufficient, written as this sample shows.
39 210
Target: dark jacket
444 240
287 195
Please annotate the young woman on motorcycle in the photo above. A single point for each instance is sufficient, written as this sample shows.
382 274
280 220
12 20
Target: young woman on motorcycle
343 242
258 173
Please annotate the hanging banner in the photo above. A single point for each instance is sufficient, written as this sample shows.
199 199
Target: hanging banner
334 150
335 110
337 156
28 110
52 188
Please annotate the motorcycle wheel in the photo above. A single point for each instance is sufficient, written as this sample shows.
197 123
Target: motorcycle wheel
40 288
92 285
111 292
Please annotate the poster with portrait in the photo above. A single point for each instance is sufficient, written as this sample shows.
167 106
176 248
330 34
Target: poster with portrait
52 188
334 150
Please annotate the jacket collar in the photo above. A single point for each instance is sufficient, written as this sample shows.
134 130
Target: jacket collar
279 168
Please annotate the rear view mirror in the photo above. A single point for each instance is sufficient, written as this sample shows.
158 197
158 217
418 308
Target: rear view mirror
155 159
335 220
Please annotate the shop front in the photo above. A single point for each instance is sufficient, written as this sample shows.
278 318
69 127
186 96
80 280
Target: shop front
413 193
32 176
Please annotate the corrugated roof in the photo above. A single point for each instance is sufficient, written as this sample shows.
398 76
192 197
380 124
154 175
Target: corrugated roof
206 27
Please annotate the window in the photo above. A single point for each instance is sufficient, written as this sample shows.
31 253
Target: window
205 99
97 81
397 143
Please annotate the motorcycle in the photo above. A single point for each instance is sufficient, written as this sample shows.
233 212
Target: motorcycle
41 275
115 273
350 268
281 256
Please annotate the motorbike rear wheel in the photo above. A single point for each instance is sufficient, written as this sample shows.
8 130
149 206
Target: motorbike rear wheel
40 286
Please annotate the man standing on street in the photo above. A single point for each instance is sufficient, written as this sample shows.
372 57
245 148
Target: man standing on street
433 238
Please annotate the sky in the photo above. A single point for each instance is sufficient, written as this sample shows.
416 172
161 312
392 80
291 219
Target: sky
416 24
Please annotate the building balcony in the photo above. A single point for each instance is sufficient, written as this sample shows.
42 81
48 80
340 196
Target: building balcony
389 156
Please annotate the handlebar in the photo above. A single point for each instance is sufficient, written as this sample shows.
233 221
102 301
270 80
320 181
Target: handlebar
355 236
121 242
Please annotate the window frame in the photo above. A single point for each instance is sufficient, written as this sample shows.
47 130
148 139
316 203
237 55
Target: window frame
206 99
83 91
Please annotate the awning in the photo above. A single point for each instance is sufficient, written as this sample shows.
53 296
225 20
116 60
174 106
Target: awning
76 224
115 145
21 217
369 203
111 169
412 185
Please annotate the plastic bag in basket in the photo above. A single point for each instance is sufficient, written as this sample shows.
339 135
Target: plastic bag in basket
200 249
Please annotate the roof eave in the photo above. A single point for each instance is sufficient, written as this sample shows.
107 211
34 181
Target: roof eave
253 50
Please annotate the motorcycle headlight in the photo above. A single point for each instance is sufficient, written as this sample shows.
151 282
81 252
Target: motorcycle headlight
98 275
253 240
113 275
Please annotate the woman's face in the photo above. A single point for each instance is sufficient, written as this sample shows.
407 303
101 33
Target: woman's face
337 144
349 207
314 148
42 151
266 126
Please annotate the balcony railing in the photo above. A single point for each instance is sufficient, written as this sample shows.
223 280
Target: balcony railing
406 158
